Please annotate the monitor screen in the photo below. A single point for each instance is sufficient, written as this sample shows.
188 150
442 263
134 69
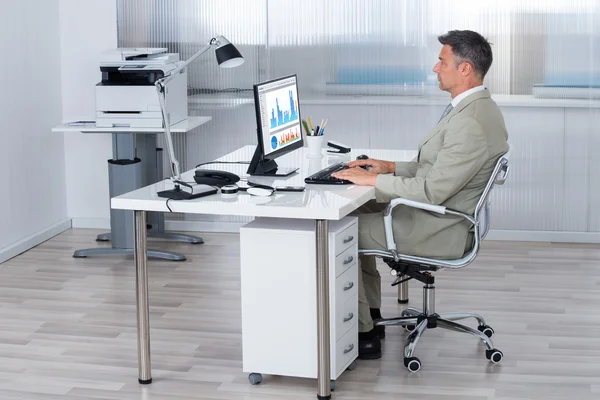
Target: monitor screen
278 119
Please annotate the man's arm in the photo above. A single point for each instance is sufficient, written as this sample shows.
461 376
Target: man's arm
406 168
462 155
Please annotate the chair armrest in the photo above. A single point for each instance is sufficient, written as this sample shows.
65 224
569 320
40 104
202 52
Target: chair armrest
387 216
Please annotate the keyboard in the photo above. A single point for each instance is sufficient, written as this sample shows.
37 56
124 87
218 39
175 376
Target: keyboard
323 177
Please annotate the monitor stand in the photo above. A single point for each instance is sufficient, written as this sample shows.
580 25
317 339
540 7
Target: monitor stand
260 166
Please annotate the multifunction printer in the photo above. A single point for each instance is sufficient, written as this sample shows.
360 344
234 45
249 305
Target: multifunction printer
127 97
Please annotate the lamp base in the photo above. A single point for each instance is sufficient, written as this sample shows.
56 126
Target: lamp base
178 194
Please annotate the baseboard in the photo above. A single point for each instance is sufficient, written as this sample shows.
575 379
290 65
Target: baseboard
544 236
31 241
91 223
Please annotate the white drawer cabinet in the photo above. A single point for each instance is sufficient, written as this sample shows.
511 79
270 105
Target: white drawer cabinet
279 310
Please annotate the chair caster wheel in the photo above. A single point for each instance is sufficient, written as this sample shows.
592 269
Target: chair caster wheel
409 328
494 355
255 378
412 363
486 330
332 385
352 366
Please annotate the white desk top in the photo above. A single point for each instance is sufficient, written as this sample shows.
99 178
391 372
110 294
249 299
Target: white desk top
328 202
180 127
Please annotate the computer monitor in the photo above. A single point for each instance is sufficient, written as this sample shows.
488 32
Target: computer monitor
278 125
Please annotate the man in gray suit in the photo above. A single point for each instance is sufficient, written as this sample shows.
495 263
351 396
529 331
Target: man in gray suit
455 161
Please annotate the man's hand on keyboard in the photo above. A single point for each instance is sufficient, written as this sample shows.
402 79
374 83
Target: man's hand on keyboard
357 176
377 166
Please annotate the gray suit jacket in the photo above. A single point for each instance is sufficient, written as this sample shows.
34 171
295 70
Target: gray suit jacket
455 161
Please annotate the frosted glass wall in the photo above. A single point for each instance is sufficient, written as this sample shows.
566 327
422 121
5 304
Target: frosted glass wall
367 65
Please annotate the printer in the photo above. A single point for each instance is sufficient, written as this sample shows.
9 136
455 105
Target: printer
127 97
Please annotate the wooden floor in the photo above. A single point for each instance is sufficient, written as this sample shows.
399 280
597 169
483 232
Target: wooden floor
67 328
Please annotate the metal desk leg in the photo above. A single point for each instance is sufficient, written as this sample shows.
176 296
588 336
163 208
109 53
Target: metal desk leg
142 306
323 345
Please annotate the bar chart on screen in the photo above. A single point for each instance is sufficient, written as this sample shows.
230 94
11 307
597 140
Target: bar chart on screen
283 106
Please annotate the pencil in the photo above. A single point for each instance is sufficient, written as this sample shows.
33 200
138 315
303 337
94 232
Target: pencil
306 127
310 123
323 125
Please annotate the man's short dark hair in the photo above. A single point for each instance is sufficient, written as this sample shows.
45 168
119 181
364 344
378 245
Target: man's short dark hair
469 46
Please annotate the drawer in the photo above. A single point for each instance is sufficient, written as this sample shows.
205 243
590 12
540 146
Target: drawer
346 285
346 316
346 238
346 351
345 260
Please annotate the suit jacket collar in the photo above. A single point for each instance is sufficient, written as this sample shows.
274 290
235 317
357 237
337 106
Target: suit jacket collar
482 94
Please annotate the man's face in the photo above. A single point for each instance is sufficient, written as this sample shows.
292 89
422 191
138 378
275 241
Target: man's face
448 75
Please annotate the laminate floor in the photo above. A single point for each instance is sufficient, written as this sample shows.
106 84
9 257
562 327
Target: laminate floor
68 328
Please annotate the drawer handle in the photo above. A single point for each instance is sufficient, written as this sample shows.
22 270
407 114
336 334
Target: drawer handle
348 260
349 348
349 286
349 239
349 317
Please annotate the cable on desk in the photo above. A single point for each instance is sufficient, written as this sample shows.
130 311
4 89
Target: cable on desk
223 162
167 204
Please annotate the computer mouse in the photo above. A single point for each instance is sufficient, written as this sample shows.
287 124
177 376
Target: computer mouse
362 157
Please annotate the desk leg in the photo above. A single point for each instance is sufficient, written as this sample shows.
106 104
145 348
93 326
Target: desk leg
142 306
323 345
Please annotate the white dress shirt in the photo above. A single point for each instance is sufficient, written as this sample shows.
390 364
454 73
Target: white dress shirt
464 94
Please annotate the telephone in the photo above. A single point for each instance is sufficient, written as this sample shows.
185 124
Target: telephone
215 178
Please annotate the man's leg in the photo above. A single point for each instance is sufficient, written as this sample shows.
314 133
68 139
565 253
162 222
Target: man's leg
369 284
369 344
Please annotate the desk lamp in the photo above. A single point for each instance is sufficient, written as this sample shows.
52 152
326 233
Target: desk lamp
228 56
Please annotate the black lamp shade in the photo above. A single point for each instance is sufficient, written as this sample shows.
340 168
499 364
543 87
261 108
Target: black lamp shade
228 56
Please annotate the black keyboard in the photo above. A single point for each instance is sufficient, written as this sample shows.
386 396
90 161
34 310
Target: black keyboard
323 177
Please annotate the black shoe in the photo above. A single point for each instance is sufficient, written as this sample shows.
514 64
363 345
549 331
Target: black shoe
369 349
375 315
380 329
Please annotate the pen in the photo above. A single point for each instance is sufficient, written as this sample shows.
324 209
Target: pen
306 127
317 130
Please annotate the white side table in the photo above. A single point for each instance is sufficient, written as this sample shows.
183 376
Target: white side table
136 162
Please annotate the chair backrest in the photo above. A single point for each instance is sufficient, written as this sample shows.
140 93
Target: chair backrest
481 214
482 209
480 220
481 217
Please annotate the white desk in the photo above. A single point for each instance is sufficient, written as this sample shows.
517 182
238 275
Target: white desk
320 203
129 144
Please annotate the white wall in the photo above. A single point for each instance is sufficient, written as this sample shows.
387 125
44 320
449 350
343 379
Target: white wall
33 200
86 29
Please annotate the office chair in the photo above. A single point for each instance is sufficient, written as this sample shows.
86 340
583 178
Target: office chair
406 267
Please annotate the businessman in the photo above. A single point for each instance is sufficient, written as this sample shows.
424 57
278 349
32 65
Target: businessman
454 163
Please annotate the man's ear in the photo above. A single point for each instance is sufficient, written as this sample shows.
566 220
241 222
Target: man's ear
465 68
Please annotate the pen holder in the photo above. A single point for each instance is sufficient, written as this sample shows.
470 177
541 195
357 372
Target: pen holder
315 146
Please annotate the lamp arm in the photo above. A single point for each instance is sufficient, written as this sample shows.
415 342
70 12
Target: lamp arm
173 73
161 85
175 171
